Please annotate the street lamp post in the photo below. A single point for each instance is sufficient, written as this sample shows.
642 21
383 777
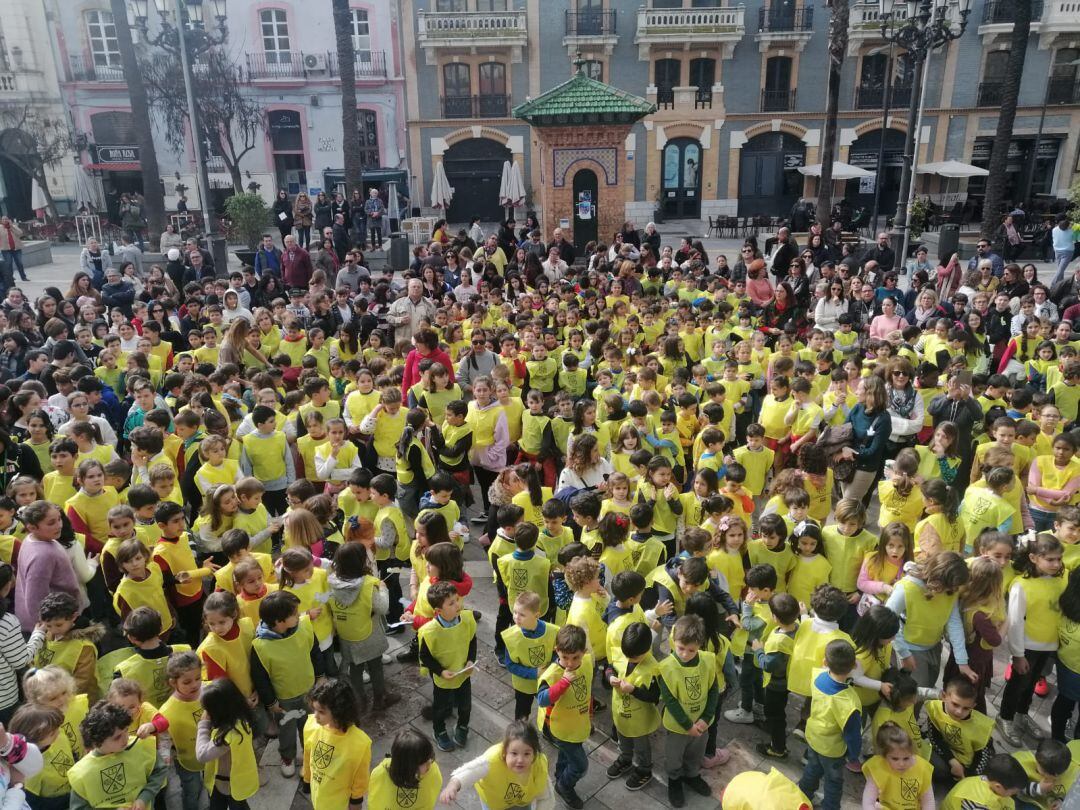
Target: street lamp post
182 33
926 28
885 105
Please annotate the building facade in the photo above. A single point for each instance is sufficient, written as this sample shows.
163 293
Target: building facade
284 52
740 91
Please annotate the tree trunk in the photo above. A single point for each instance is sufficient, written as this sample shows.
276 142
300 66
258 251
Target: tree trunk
153 194
838 42
237 180
999 154
350 126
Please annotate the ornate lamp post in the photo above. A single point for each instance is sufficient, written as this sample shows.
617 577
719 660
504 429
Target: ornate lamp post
182 32
918 27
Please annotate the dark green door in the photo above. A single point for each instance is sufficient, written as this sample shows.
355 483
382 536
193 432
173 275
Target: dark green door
586 209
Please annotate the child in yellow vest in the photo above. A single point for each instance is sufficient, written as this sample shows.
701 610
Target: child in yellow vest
142 584
515 767
58 643
565 700
958 735
236 546
772 656
183 577
385 423
522 570
834 728
42 726
216 469
340 781
183 710
142 629
635 696
883 568
253 516
308 583
897 775
112 751
529 647
448 654
586 610
226 650
226 728
1003 778
267 457
147 724
1052 770
409 778
121 521
757 623
358 601
900 499
1034 618
391 538
285 662
251 587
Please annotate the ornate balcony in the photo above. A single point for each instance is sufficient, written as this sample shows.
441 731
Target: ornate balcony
89 71
471 31
783 24
486 106
777 100
998 17
690 27
591 29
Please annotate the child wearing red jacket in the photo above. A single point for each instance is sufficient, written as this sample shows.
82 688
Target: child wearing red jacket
444 563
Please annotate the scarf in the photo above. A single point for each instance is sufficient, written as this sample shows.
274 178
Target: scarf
901 400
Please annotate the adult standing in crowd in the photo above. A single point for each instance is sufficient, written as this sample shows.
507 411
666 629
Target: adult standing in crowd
407 312
11 245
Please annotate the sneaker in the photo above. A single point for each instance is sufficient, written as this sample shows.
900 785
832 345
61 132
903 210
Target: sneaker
481 518
675 795
1026 725
444 742
854 767
305 787
569 797
766 750
1009 733
461 736
1042 688
598 706
620 766
638 779
385 701
721 757
800 733
739 715
698 785
288 768
410 655
501 658
395 631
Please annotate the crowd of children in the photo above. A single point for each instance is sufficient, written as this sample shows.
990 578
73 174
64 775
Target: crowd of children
674 499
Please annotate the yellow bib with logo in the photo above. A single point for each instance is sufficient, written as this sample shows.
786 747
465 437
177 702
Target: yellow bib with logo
829 714
689 685
1062 782
521 576
450 647
633 717
588 614
183 717
113 780
808 654
503 788
529 652
150 674
1043 613
267 455
925 617
570 718
899 791
964 738
388 430
232 656
288 660
352 622
308 593
333 760
383 794
395 516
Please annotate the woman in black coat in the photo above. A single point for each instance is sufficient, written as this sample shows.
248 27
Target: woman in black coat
283 217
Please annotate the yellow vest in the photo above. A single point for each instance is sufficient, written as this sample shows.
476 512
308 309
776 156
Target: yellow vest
1068 653
450 647
964 738
645 556
616 628
113 780
828 716
183 717
52 780
452 434
404 470
483 423
353 622
905 718
358 405
502 788
150 674
689 685
333 762
532 432
807 574
395 516
232 656
178 557
808 654
288 660
746 790
846 556
244 776
925 618
64 653
529 652
899 791
633 717
975 792
1062 782
776 642
383 794
308 593
570 718
388 430
305 446
951 532
520 576
267 455
782 561
588 614
149 593
1043 613
226 473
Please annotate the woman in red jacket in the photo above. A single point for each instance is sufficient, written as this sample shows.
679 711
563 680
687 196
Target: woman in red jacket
426 343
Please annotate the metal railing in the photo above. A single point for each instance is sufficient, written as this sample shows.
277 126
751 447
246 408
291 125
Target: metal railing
775 20
690 20
8 83
367 64
446 25
1000 12
84 71
485 106
873 98
777 100
276 65
703 98
990 94
591 23
665 97
1063 91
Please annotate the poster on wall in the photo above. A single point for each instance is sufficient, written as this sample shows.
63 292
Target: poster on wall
866 184
585 205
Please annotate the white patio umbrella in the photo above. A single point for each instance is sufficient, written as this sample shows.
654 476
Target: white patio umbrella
37 196
441 191
840 171
86 190
504 186
952 169
515 187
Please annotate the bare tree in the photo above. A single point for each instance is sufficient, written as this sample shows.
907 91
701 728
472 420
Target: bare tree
350 125
32 143
1010 91
153 193
838 43
230 120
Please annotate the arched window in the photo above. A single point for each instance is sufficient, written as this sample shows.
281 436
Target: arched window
492 97
668 76
457 91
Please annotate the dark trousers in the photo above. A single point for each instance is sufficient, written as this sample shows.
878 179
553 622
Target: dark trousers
36 802
221 801
1016 699
749 682
374 669
446 701
376 233
776 718
189 617
276 502
1060 713
393 587
523 703
503 619
571 764
484 479
303 235
819 767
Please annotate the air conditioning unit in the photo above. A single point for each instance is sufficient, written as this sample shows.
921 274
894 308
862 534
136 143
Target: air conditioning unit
315 62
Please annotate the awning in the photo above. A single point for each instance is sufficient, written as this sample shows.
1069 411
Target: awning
114 167
840 171
952 168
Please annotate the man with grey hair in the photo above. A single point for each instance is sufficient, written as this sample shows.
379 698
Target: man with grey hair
406 312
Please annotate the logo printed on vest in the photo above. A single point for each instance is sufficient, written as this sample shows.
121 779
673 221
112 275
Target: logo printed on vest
515 794
323 755
519 579
406 797
953 736
46 655
113 779
61 761
581 688
69 732
635 556
909 789
693 686
536 656
160 681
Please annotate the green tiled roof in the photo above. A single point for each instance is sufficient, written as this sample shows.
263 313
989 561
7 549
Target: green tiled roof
581 100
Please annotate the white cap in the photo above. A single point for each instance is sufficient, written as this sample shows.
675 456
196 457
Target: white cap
174 254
